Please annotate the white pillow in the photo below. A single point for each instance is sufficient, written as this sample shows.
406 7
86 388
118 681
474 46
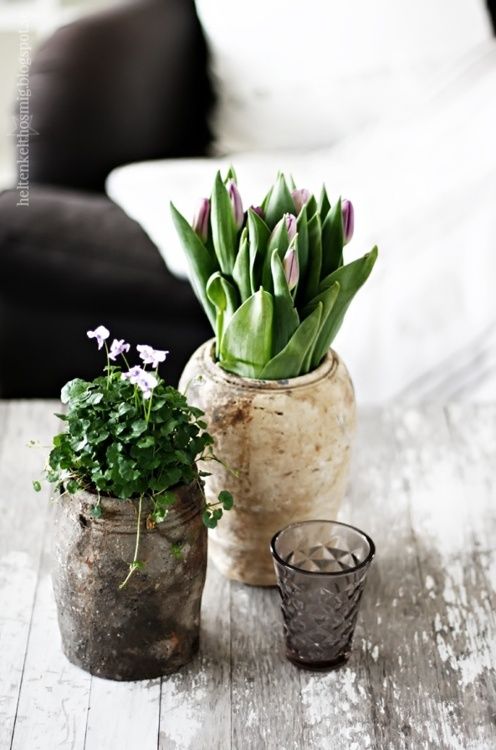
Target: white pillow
303 73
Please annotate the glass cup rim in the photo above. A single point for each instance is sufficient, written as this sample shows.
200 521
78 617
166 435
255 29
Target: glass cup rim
285 564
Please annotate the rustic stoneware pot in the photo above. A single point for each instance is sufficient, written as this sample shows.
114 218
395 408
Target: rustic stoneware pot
151 626
288 440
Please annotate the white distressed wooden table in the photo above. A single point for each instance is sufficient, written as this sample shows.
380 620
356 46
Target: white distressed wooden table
422 674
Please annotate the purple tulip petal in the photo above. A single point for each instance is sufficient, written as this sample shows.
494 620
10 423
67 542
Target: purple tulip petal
290 220
300 197
237 203
348 220
201 218
291 268
258 210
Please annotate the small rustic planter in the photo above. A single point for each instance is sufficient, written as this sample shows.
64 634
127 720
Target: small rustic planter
289 442
151 626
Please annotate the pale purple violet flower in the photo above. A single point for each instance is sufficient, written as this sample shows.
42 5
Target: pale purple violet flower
200 220
290 220
348 220
119 346
300 197
100 334
133 375
146 381
291 268
236 202
151 356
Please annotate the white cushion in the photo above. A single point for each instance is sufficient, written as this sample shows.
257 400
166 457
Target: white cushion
303 73
424 190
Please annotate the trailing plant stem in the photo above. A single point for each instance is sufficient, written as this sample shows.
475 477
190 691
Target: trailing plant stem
135 563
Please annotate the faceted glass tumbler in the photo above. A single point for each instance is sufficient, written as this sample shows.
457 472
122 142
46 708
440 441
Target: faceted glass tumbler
321 568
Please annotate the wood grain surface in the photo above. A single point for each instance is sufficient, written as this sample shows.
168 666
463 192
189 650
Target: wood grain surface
423 670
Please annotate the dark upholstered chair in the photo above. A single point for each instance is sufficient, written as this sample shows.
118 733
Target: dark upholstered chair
124 85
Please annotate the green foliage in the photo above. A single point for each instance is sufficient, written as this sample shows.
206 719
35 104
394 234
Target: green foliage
177 550
263 328
214 511
119 445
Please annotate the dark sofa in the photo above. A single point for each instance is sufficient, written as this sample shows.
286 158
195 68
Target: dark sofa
124 85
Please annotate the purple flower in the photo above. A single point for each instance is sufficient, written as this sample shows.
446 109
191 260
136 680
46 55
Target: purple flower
348 220
290 220
237 203
300 197
119 346
291 268
151 356
200 220
100 334
258 210
146 381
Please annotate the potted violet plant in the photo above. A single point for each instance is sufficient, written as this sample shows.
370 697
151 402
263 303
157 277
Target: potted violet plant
130 542
278 401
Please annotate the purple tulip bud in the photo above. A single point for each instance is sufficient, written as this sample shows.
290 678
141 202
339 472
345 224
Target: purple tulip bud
258 210
348 220
300 197
237 203
290 221
291 268
200 221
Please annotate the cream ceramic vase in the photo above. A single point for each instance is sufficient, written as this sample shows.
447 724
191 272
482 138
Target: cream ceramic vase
289 442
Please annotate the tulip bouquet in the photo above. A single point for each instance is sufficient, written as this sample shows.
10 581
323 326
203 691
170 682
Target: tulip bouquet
272 279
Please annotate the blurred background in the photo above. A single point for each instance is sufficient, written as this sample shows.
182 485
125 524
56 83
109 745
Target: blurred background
109 110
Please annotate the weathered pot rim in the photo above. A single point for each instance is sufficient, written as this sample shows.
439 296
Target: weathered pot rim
328 367
123 512
92 497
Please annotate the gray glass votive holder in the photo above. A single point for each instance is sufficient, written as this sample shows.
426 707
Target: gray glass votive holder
321 568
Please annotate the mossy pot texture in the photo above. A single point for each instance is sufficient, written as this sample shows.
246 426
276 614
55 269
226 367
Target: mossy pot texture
289 442
151 626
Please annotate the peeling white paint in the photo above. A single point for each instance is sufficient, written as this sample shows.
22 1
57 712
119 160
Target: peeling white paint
429 583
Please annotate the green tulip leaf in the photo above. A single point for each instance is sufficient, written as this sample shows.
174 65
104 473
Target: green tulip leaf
350 278
286 318
323 204
321 345
258 236
231 175
314 257
202 264
223 296
279 202
289 362
241 270
332 240
223 227
247 341
221 293
312 206
302 246
279 240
